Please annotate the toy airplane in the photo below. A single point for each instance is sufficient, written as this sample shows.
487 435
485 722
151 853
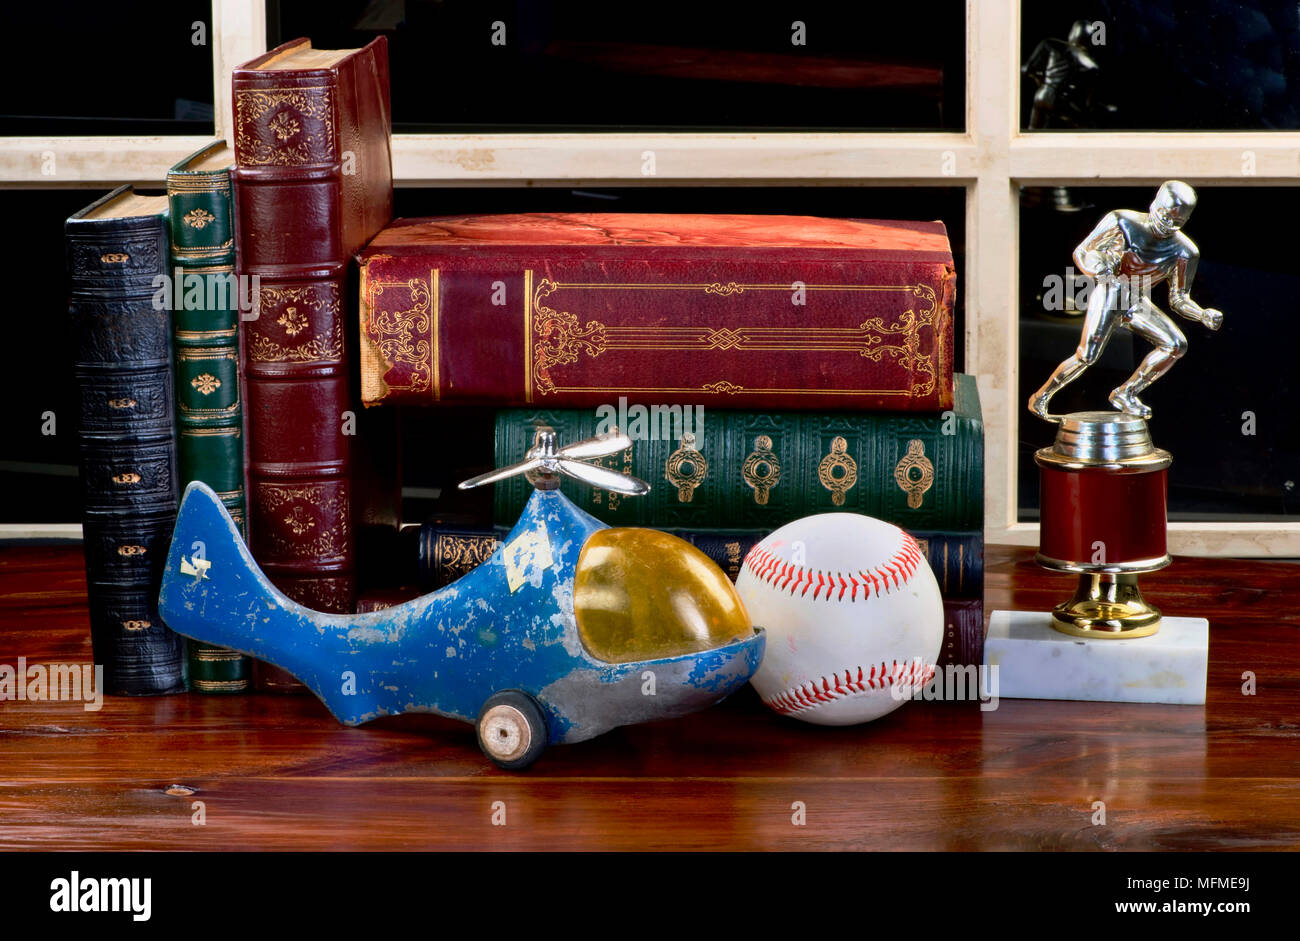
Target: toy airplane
570 629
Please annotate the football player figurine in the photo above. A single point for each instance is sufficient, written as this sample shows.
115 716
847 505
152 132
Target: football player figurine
1128 254
1064 72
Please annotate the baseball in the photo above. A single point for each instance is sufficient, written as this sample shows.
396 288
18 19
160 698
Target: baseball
851 610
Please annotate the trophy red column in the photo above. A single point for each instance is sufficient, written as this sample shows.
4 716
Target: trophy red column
1103 516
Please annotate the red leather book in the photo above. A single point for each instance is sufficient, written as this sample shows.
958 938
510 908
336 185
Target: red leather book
313 184
578 309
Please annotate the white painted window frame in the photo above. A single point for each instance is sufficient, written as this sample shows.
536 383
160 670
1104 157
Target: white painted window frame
991 160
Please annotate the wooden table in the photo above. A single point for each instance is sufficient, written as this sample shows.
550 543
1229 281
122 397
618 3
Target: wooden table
276 772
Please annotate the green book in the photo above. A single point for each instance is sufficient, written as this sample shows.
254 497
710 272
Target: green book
713 469
205 318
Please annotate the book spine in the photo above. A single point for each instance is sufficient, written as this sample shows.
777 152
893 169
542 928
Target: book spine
963 632
209 408
448 553
566 327
288 181
761 470
123 371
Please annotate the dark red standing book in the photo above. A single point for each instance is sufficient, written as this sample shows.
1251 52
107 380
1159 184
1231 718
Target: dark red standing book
313 184
578 309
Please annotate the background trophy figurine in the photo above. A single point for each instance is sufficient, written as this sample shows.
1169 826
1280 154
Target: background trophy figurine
1064 73
1104 485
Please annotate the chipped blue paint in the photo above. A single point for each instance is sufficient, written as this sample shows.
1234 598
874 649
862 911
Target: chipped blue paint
446 652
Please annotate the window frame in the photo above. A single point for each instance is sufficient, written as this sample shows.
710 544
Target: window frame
990 160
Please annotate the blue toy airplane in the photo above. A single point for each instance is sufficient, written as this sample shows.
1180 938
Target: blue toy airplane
541 644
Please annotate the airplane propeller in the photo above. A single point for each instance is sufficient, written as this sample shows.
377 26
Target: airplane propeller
544 461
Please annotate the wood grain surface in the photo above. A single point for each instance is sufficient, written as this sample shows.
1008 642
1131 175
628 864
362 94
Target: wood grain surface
277 772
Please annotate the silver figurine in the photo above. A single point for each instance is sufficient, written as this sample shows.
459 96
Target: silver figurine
1127 255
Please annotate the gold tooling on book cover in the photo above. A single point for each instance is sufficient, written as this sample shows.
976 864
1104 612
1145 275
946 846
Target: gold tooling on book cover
561 338
206 383
761 456
528 334
313 102
914 459
389 337
198 218
675 469
838 458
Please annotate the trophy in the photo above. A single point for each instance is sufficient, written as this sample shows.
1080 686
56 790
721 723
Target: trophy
1104 481
1104 485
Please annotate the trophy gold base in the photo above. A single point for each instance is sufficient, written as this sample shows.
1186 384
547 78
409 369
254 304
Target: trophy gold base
1107 606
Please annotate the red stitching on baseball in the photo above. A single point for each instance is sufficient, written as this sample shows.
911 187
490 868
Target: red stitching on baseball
792 579
810 694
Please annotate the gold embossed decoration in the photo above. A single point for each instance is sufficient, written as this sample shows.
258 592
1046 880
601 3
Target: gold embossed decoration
206 383
914 473
560 337
395 332
724 290
284 127
457 555
320 510
842 482
293 321
761 469
129 478
686 468
298 307
299 521
198 218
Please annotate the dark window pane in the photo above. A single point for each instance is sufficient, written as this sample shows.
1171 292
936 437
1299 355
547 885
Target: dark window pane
38 472
677 64
74 67
1162 64
1200 406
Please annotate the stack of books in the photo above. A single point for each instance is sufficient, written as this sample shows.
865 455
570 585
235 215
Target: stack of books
234 330
765 367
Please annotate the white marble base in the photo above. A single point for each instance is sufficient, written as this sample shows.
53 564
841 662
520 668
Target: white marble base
1035 661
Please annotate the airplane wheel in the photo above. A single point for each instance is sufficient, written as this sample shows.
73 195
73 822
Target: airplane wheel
512 729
